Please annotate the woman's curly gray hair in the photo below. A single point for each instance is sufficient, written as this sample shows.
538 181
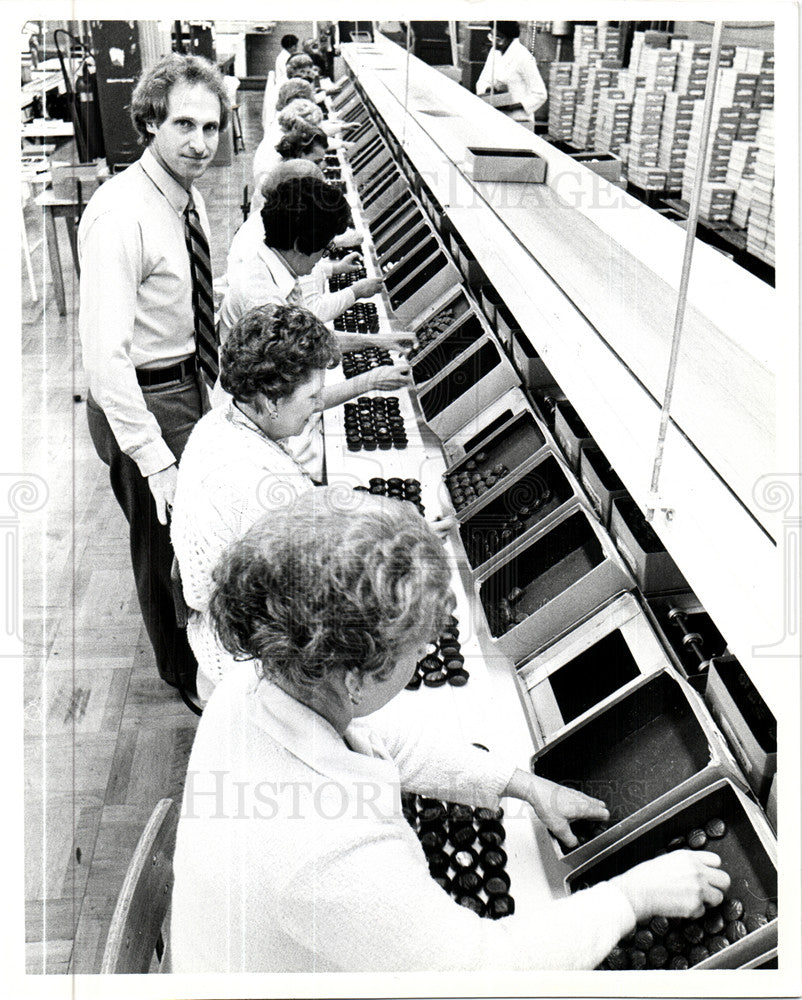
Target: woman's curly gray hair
272 349
336 580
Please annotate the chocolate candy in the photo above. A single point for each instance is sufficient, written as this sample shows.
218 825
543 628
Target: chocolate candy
657 957
443 882
435 678
732 909
713 923
771 910
636 959
717 943
432 840
457 678
432 811
693 933
497 884
468 881
675 942
515 595
472 903
482 813
659 926
697 955
644 939
493 859
754 921
414 682
617 959
491 834
676 843
715 828
697 839
466 857
735 930
500 906
678 962
464 835
459 813
438 863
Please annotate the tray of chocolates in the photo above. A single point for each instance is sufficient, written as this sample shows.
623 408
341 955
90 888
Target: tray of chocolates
358 362
374 422
396 488
512 445
505 510
338 282
649 745
718 818
444 663
361 317
465 852
440 321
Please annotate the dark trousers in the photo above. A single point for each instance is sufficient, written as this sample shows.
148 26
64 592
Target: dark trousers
177 406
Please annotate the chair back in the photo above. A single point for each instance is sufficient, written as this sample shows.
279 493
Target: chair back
135 934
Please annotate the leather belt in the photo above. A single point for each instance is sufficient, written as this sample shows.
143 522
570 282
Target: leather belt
173 373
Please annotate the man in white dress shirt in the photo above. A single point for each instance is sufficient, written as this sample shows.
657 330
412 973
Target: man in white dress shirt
510 67
138 328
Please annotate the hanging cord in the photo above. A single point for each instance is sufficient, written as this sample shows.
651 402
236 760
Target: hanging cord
679 317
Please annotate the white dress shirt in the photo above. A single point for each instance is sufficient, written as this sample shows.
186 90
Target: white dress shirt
136 298
293 855
517 70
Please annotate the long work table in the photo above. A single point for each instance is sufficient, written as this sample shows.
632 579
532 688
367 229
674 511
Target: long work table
591 275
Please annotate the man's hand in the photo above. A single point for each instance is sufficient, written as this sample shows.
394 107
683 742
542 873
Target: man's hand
162 486
555 805
367 287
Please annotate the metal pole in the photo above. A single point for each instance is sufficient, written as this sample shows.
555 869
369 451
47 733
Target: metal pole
493 53
406 84
682 297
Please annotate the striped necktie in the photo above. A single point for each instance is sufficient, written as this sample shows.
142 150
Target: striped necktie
202 298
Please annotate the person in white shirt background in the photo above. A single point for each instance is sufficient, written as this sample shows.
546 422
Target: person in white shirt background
510 67
289 46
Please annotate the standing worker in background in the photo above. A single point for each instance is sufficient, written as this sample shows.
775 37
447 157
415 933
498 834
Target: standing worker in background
510 67
147 323
289 46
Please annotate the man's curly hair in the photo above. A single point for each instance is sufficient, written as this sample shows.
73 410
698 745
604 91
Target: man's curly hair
335 580
272 349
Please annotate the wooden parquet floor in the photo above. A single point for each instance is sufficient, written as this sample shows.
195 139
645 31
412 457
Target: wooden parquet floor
105 739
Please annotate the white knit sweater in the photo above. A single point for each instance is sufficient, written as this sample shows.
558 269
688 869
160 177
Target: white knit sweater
230 475
293 855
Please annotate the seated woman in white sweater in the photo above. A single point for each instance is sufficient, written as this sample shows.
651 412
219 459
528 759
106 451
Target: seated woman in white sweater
237 463
293 854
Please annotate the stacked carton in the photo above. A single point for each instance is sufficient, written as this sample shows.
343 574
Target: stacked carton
562 108
585 117
612 121
717 196
644 140
764 95
609 41
760 227
674 137
585 47
659 67
740 174
562 100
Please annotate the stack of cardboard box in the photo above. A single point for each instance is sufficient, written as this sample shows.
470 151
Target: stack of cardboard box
612 121
760 226
585 117
644 140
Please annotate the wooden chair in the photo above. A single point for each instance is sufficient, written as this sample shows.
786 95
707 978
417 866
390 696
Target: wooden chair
135 942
